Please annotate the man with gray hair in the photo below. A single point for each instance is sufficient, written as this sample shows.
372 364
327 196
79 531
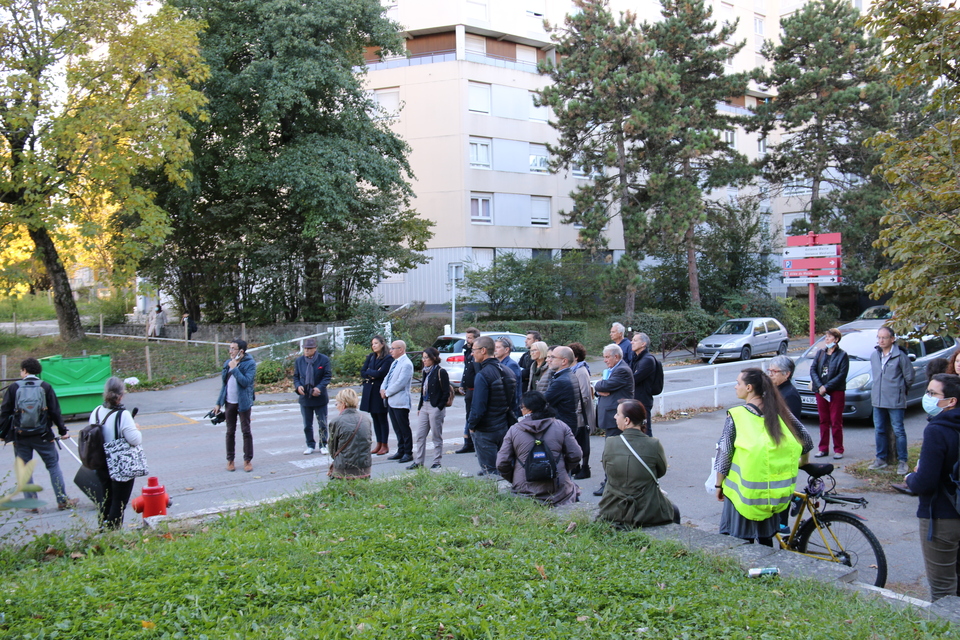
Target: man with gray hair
494 405
396 391
563 391
617 384
617 332
780 369
644 367
893 376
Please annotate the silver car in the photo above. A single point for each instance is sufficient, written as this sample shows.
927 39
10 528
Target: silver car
858 341
744 338
451 350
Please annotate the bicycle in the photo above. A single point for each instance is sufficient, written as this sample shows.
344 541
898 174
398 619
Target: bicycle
833 536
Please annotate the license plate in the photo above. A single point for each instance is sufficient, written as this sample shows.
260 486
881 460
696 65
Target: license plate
808 400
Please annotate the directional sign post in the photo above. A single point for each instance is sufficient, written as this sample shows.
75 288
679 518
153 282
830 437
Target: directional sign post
811 260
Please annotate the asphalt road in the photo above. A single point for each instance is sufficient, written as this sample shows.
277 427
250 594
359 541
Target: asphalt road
186 453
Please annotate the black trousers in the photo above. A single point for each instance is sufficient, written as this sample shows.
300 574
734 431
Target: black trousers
115 498
400 419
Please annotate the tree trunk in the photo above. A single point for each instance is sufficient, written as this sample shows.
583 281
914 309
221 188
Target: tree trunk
692 273
67 315
630 299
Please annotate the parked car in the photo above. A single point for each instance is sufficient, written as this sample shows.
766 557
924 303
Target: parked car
858 341
451 350
744 338
879 312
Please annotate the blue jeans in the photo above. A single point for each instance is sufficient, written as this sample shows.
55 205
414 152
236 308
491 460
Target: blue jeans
487 444
881 419
308 413
47 451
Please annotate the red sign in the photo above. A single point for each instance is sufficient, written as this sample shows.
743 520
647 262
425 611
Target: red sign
811 263
811 273
812 239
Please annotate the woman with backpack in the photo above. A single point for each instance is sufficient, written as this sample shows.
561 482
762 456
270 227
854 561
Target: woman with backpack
634 462
538 454
115 421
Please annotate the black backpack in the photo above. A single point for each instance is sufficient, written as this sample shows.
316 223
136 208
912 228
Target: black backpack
540 464
656 382
30 409
90 441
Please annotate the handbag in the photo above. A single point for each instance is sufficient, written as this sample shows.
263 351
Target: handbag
124 461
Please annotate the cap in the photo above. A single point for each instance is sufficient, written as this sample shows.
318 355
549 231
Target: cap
310 343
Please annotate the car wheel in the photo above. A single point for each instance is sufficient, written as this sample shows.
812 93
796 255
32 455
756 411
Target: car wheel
745 353
782 349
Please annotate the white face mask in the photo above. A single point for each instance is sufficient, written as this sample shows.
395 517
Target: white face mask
931 405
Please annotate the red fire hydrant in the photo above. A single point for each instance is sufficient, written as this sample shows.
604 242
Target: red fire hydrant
153 501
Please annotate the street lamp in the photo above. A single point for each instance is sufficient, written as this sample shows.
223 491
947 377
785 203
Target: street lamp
454 273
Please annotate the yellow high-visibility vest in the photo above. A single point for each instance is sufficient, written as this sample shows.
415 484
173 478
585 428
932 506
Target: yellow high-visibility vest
763 475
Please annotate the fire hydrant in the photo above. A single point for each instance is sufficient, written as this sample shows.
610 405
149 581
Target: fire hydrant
153 500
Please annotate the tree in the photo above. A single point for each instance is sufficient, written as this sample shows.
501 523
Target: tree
921 234
638 105
92 94
299 198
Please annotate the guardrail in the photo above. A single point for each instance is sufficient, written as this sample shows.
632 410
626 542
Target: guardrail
658 405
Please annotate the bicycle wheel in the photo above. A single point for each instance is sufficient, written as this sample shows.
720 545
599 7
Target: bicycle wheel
850 541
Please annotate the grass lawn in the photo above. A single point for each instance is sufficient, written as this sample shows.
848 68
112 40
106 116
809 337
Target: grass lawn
425 556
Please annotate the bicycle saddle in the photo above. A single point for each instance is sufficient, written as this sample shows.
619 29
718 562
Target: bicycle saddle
817 470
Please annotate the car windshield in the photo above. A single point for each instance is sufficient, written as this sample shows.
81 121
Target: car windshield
857 344
876 313
731 327
448 345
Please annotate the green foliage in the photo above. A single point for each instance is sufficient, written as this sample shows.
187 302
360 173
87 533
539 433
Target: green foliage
420 332
921 237
552 331
348 362
491 565
28 307
114 308
367 319
93 94
270 371
296 171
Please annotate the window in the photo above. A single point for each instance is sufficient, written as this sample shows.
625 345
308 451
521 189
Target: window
758 32
539 114
772 326
527 54
795 187
728 15
732 194
729 136
388 100
540 212
480 153
761 146
539 159
481 208
476 44
479 98
541 254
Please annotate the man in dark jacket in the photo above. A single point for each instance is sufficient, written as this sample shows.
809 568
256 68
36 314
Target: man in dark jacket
311 375
501 349
617 332
893 375
526 359
939 520
563 391
236 397
466 384
494 405
617 384
644 370
780 369
40 439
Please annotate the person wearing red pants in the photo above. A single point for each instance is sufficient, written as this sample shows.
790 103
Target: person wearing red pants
828 377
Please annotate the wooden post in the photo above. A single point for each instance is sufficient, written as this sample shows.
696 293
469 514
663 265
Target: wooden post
216 348
243 331
14 323
101 325
3 366
149 368
186 332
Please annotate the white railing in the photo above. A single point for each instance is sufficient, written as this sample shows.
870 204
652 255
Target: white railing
658 406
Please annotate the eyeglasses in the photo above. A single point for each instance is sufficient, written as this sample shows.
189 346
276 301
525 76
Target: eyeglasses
550 357
934 394
475 349
770 372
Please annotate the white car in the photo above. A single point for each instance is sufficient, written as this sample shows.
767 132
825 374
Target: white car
451 350
744 338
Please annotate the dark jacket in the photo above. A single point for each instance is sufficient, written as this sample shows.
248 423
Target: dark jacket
245 372
619 385
562 395
631 497
524 363
938 454
891 382
792 397
437 387
644 367
322 372
837 363
51 417
627 348
516 448
494 398
469 368
373 372
508 363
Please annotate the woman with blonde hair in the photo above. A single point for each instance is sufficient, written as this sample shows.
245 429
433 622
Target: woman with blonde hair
349 440
538 364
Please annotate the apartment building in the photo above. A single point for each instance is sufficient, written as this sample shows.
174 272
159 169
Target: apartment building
463 101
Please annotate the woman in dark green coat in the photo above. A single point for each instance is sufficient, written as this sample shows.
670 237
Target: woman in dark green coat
634 462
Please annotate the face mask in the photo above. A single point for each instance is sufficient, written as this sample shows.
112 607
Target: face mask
930 405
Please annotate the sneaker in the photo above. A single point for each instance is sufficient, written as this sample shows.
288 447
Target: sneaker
902 468
307 451
838 456
324 450
435 465
878 464
820 454
68 504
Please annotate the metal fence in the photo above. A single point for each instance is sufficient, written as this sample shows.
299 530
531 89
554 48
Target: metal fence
698 393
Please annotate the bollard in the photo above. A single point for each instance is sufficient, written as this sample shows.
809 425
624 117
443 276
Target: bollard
149 368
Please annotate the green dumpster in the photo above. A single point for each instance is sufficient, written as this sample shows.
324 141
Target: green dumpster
77 381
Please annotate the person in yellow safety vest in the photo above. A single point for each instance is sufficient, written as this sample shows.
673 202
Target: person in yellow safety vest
760 451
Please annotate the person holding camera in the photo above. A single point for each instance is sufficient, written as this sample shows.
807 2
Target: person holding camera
311 375
236 398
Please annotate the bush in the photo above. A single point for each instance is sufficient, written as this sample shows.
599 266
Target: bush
553 331
419 332
347 363
270 371
795 316
367 318
828 315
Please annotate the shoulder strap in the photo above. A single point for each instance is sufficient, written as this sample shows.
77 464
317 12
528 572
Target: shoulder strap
350 439
637 456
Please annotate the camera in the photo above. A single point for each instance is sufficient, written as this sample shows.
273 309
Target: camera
216 418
